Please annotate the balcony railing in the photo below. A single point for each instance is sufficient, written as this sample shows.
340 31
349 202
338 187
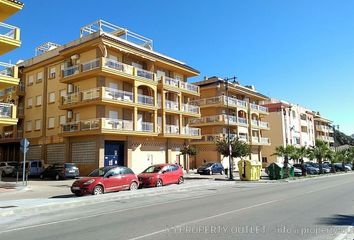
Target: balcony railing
255 139
20 111
217 118
216 137
171 129
145 74
232 102
7 69
190 131
69 71
115 94
90 94
171 81
146 100
9 31
92 124
146 127
260 123
189 87
264 140
242 121
190 108
6 110
258 108
117 124
113 64
71 98
90 65
171 105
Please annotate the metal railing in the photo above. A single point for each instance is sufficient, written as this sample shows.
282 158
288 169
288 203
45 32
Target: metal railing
93 64
190 108
91 124
255 139
171 129
6 110
242 120
188 86
264 140
117 124
71 98
118 95
171 81
69 71
70 127
114 64
144 73
146 100
263 124
90 94
171 105
8 31
146 127
191 131
7 69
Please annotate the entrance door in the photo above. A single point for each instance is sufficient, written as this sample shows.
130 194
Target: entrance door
114 153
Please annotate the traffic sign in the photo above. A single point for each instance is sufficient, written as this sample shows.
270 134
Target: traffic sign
24 143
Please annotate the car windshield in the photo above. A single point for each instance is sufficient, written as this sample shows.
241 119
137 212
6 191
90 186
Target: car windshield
100 172
70 165
153 169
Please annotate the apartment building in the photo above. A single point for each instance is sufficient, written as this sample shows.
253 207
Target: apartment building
237 108
10 89
290 124
323 129
108 98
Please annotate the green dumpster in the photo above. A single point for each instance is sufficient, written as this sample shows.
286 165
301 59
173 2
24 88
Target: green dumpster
249 170
276 171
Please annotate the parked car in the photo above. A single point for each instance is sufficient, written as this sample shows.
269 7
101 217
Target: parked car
106 179
34 168
7 168
60 171
161 174
339 167
310 169
211 168
297 171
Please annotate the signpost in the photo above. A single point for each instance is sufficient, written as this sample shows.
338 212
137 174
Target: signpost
24 144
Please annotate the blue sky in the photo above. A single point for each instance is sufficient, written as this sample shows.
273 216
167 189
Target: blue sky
301 51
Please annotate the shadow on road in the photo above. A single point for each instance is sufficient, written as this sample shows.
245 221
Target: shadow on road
64 196
338 220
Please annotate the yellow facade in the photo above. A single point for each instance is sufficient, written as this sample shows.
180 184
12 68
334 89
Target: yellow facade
101 97
240 111
323 129
10 90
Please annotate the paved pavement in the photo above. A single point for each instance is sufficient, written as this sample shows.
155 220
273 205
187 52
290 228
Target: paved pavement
319 208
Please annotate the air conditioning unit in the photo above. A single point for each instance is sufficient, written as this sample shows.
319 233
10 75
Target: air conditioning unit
70 88
70 114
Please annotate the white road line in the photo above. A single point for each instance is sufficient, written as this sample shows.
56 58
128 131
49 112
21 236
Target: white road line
203 219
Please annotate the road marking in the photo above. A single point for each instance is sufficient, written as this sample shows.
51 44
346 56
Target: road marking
203 219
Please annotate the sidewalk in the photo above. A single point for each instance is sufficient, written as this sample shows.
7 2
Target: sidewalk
7 187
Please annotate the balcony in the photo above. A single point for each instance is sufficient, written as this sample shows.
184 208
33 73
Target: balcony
9 8
212 138
324 128
222 101
9 38
8 75
106 126
8 114
188 108
258 108
146 100
260 124
177 85
260 140
219 119
109 67
171 105
190 131
99 95
9 136
325 138
172 129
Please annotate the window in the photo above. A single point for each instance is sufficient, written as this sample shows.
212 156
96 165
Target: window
62 120
264 160
29 126
77 117
62 93
38 124
52 72
51 122
39 100
30 80
39 77
29 103
51 97
61 69
294 114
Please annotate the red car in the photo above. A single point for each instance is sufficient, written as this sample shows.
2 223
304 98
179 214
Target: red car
161 174
106 179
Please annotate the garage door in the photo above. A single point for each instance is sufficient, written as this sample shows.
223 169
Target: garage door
34 152
83 152
55 153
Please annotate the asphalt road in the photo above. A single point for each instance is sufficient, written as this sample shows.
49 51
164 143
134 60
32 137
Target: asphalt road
320 208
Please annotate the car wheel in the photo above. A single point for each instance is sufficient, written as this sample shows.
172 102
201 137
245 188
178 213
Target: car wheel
57 177
180 180
133 186
159 183
78 194
97 190
222 172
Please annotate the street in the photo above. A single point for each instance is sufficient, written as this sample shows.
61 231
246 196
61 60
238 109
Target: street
320 208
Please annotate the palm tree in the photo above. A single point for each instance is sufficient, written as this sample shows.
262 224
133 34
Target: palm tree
333 157
298 155
286 153
350 155
319 152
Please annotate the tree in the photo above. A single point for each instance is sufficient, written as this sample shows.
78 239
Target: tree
286 153
350 155
239 149
333 157
319 152
186 152
298 154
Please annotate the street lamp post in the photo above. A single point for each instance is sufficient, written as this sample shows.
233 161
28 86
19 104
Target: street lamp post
226 82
